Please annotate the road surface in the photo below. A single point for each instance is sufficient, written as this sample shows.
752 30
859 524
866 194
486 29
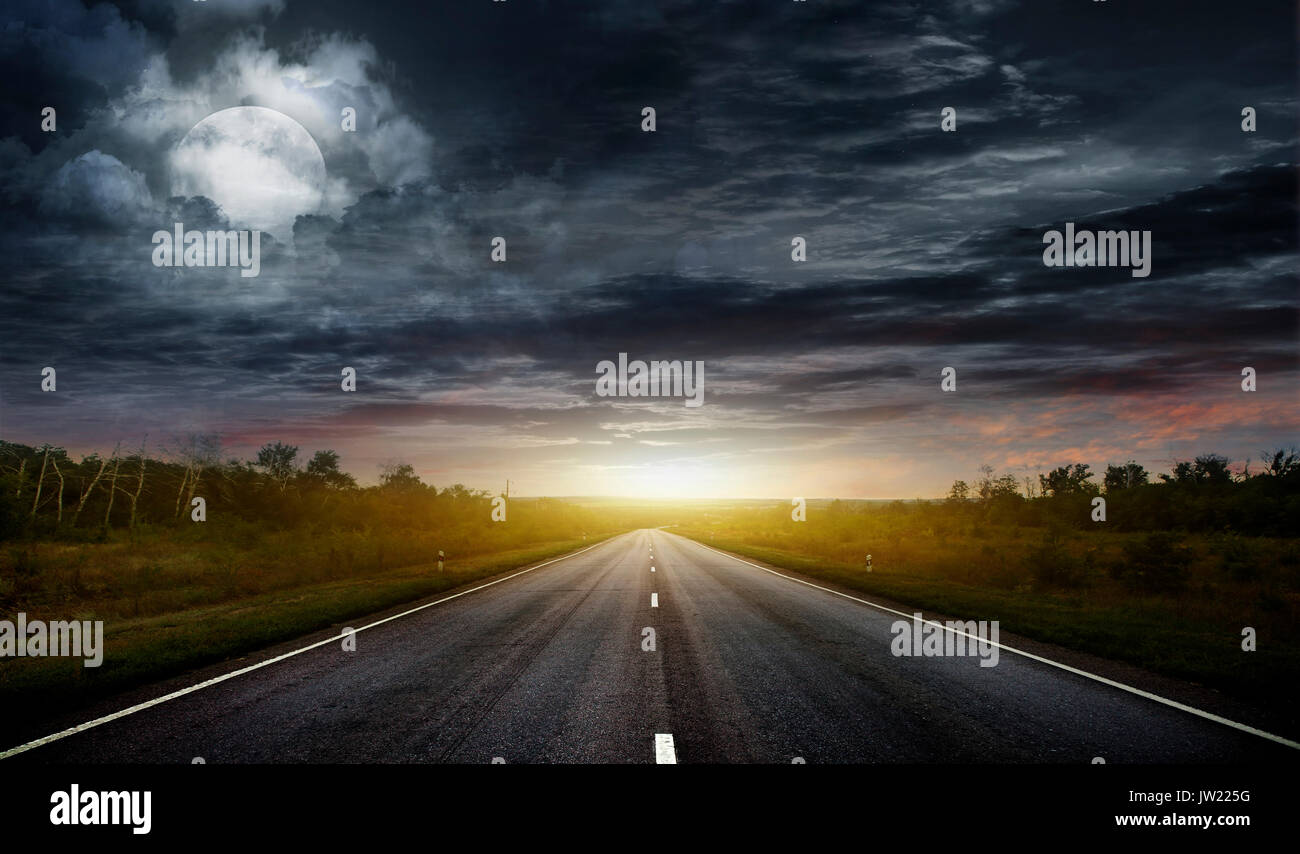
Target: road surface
747 666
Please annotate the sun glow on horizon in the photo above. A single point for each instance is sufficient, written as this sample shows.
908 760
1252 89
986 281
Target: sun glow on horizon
679 479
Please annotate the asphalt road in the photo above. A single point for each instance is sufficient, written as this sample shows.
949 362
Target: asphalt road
549 666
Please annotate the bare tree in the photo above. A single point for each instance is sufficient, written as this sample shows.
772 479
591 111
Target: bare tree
1282 462
139 484
197 452
40 481
59 518
112 483
85 495
19 470
181 491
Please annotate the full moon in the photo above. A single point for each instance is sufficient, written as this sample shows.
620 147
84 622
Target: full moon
259 165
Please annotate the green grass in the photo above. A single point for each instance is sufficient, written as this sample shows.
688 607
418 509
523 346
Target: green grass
146 649
1157 633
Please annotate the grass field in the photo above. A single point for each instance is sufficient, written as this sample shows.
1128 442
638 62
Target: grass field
174 597
169 609
1077 589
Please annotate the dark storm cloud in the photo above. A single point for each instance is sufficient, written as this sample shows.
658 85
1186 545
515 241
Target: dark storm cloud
59 53
1240 217
774 120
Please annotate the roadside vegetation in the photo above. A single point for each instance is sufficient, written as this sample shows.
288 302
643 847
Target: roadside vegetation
1183 563
287 547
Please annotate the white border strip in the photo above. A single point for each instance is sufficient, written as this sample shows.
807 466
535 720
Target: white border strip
665 752
1210 716
232 674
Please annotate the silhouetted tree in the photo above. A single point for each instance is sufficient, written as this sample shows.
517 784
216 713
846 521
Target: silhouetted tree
1067 480
400 477
1126 476
1283 462
323 469
1211 468
278 460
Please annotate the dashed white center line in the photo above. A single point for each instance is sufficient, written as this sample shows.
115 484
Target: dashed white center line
665 753
652 569
654 600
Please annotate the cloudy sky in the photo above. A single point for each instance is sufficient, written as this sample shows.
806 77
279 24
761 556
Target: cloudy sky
775 119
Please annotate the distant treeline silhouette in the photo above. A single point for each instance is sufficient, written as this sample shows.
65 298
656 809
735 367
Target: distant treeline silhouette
1203 494
44 492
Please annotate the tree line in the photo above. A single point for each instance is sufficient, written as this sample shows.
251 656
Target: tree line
1199 494
44 491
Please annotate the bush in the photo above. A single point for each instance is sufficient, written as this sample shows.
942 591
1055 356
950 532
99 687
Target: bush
1051 562
1238 559
1155 563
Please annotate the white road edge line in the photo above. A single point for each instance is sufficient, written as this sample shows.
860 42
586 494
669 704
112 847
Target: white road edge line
654 600
139 707
1210 716
665 753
